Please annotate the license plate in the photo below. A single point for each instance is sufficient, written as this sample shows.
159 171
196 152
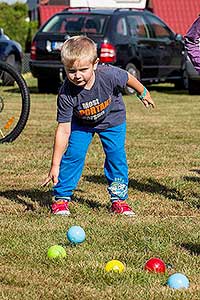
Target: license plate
56 45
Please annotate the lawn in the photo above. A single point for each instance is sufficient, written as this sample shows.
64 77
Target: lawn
163 151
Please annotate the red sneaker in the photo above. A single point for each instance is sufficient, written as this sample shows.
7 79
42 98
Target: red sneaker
60 207
122 207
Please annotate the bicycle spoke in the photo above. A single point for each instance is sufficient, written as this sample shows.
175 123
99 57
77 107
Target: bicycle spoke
1 132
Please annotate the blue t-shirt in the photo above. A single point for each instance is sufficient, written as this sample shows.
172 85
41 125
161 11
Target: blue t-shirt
100 107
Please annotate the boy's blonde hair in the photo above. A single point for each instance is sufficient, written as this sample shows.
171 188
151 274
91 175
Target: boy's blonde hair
77 48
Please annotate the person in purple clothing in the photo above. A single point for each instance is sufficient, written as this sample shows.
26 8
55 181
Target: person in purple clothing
90 102
192 43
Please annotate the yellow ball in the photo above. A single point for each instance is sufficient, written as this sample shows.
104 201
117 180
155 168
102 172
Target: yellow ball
115 266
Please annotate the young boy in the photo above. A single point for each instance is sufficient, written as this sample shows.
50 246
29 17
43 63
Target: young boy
90 102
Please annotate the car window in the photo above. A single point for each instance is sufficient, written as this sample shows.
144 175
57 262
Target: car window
138 27
121 27
76 23
159 28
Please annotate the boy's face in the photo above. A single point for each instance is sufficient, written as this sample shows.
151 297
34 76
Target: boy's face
81 73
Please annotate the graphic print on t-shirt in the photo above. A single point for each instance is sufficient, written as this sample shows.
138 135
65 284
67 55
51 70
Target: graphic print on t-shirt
93 110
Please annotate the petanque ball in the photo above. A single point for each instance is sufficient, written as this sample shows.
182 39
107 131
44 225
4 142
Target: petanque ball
76 235
178 281
56 251
155 265
115 266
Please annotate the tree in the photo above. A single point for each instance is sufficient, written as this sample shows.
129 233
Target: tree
13 20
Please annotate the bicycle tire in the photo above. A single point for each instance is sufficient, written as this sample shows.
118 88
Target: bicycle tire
24 97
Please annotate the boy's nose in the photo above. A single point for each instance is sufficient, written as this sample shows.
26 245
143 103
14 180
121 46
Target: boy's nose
77 74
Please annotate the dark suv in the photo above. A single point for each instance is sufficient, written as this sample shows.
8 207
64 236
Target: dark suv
135 40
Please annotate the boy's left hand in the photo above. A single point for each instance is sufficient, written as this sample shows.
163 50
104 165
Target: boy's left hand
148 101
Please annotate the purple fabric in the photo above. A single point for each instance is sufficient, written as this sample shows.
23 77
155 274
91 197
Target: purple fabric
192 43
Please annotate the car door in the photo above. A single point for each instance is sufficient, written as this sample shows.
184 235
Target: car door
117 33
170 49
143 45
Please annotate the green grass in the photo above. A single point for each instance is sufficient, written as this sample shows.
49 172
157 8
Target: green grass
164 170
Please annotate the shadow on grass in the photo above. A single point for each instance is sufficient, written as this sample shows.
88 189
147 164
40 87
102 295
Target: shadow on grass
150 186
192 178
13 90
195 170
154 187
28 197
90 203
33 90
193 248
100 179
43 198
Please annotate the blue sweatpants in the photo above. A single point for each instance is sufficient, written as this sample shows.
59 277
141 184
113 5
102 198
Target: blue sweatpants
115 166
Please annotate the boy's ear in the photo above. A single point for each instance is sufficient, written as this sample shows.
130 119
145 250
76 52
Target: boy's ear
96 63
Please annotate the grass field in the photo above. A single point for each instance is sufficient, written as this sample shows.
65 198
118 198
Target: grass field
163 150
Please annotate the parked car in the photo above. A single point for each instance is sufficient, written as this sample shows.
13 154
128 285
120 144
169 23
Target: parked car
135 40
10 51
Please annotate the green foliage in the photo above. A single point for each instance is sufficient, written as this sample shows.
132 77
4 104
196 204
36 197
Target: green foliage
13 21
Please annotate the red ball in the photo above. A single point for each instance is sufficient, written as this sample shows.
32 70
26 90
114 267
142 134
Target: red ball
155 265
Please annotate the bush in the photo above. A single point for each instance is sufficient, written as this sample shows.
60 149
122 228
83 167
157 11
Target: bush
13 21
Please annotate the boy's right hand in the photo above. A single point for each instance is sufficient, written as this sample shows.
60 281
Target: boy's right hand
53 176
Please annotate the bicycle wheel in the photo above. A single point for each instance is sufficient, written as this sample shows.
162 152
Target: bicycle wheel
14 103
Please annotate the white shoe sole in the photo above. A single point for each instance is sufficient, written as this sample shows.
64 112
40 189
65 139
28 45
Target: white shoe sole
63 213
129 214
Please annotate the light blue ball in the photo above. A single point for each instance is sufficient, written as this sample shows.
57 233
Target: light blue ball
76 234
178 281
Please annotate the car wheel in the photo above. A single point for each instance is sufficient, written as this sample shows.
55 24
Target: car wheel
183 83
193 87
132 69
46 85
